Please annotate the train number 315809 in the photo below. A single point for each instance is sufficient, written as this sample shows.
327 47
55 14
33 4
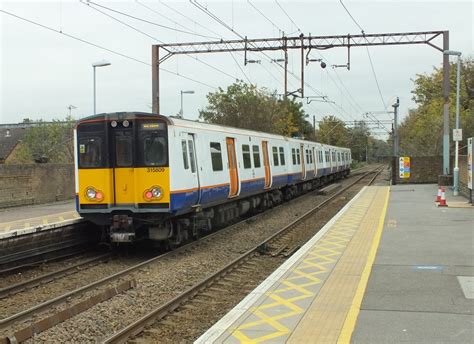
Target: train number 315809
155 169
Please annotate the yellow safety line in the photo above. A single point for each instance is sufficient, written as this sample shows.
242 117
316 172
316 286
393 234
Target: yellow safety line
353 314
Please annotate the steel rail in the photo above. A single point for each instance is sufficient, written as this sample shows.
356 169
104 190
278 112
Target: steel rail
31 283
6 322
139 325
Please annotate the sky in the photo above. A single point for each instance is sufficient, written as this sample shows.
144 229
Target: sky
43 72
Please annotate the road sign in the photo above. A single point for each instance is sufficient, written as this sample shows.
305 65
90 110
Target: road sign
457 134
470 157
404 167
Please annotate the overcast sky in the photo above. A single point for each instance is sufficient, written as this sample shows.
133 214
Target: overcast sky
43 72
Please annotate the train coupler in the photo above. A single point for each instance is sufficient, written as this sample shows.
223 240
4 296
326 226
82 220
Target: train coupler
121 229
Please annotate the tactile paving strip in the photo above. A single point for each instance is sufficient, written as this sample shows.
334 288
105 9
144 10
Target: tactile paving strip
275 315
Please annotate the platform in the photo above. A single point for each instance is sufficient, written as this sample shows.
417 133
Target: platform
330 291
22 220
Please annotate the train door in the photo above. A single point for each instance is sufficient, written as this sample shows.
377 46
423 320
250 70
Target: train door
330 161
314 162
194 168
123 166
233 171
303 166
266 164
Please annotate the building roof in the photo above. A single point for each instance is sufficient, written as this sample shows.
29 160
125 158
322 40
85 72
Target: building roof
9 138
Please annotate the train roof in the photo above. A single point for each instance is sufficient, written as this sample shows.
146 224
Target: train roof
179 122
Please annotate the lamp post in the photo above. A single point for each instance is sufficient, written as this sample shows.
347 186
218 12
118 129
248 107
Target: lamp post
181 109
70 108
456 151
102 63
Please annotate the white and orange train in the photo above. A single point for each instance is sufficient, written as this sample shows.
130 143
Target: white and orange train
147 176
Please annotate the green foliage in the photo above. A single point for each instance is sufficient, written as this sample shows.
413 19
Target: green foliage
245 106
47 142
333 131
421 132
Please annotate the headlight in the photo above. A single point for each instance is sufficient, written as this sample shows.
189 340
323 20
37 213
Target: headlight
90 193
153 194
93 194
156 192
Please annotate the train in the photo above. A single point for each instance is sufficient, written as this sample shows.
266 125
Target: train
143 176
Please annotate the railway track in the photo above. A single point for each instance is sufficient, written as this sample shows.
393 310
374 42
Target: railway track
31 312
227 280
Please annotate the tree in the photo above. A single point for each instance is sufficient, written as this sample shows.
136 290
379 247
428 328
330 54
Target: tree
333 131
421 132
360 140
245 106
47 142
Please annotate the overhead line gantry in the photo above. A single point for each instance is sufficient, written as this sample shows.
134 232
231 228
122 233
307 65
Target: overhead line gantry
162 52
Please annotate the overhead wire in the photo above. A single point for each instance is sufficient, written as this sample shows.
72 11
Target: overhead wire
264 16
368 54
287 15
147 21
212 15
156 39
209 30
62 32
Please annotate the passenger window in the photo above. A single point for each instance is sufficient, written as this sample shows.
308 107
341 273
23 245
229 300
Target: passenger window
216 156
282 156
298 160
256 156
275 156
246 156
191 156
293 154
185 154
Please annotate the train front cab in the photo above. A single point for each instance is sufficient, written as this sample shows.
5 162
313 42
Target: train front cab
122 175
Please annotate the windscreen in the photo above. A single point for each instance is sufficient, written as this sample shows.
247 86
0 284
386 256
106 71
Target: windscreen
152 144
91 145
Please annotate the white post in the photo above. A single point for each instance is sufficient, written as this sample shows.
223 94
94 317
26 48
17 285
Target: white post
456 153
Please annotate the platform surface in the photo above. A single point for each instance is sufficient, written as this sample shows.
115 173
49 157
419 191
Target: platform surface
18 219
342 286
414 294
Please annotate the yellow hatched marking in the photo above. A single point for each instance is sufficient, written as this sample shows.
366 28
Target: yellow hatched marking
26 225
61 218
45 221
7 228
327 313
325 252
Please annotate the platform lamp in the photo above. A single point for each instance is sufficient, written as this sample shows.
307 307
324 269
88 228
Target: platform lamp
102 63
181 110
456 152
